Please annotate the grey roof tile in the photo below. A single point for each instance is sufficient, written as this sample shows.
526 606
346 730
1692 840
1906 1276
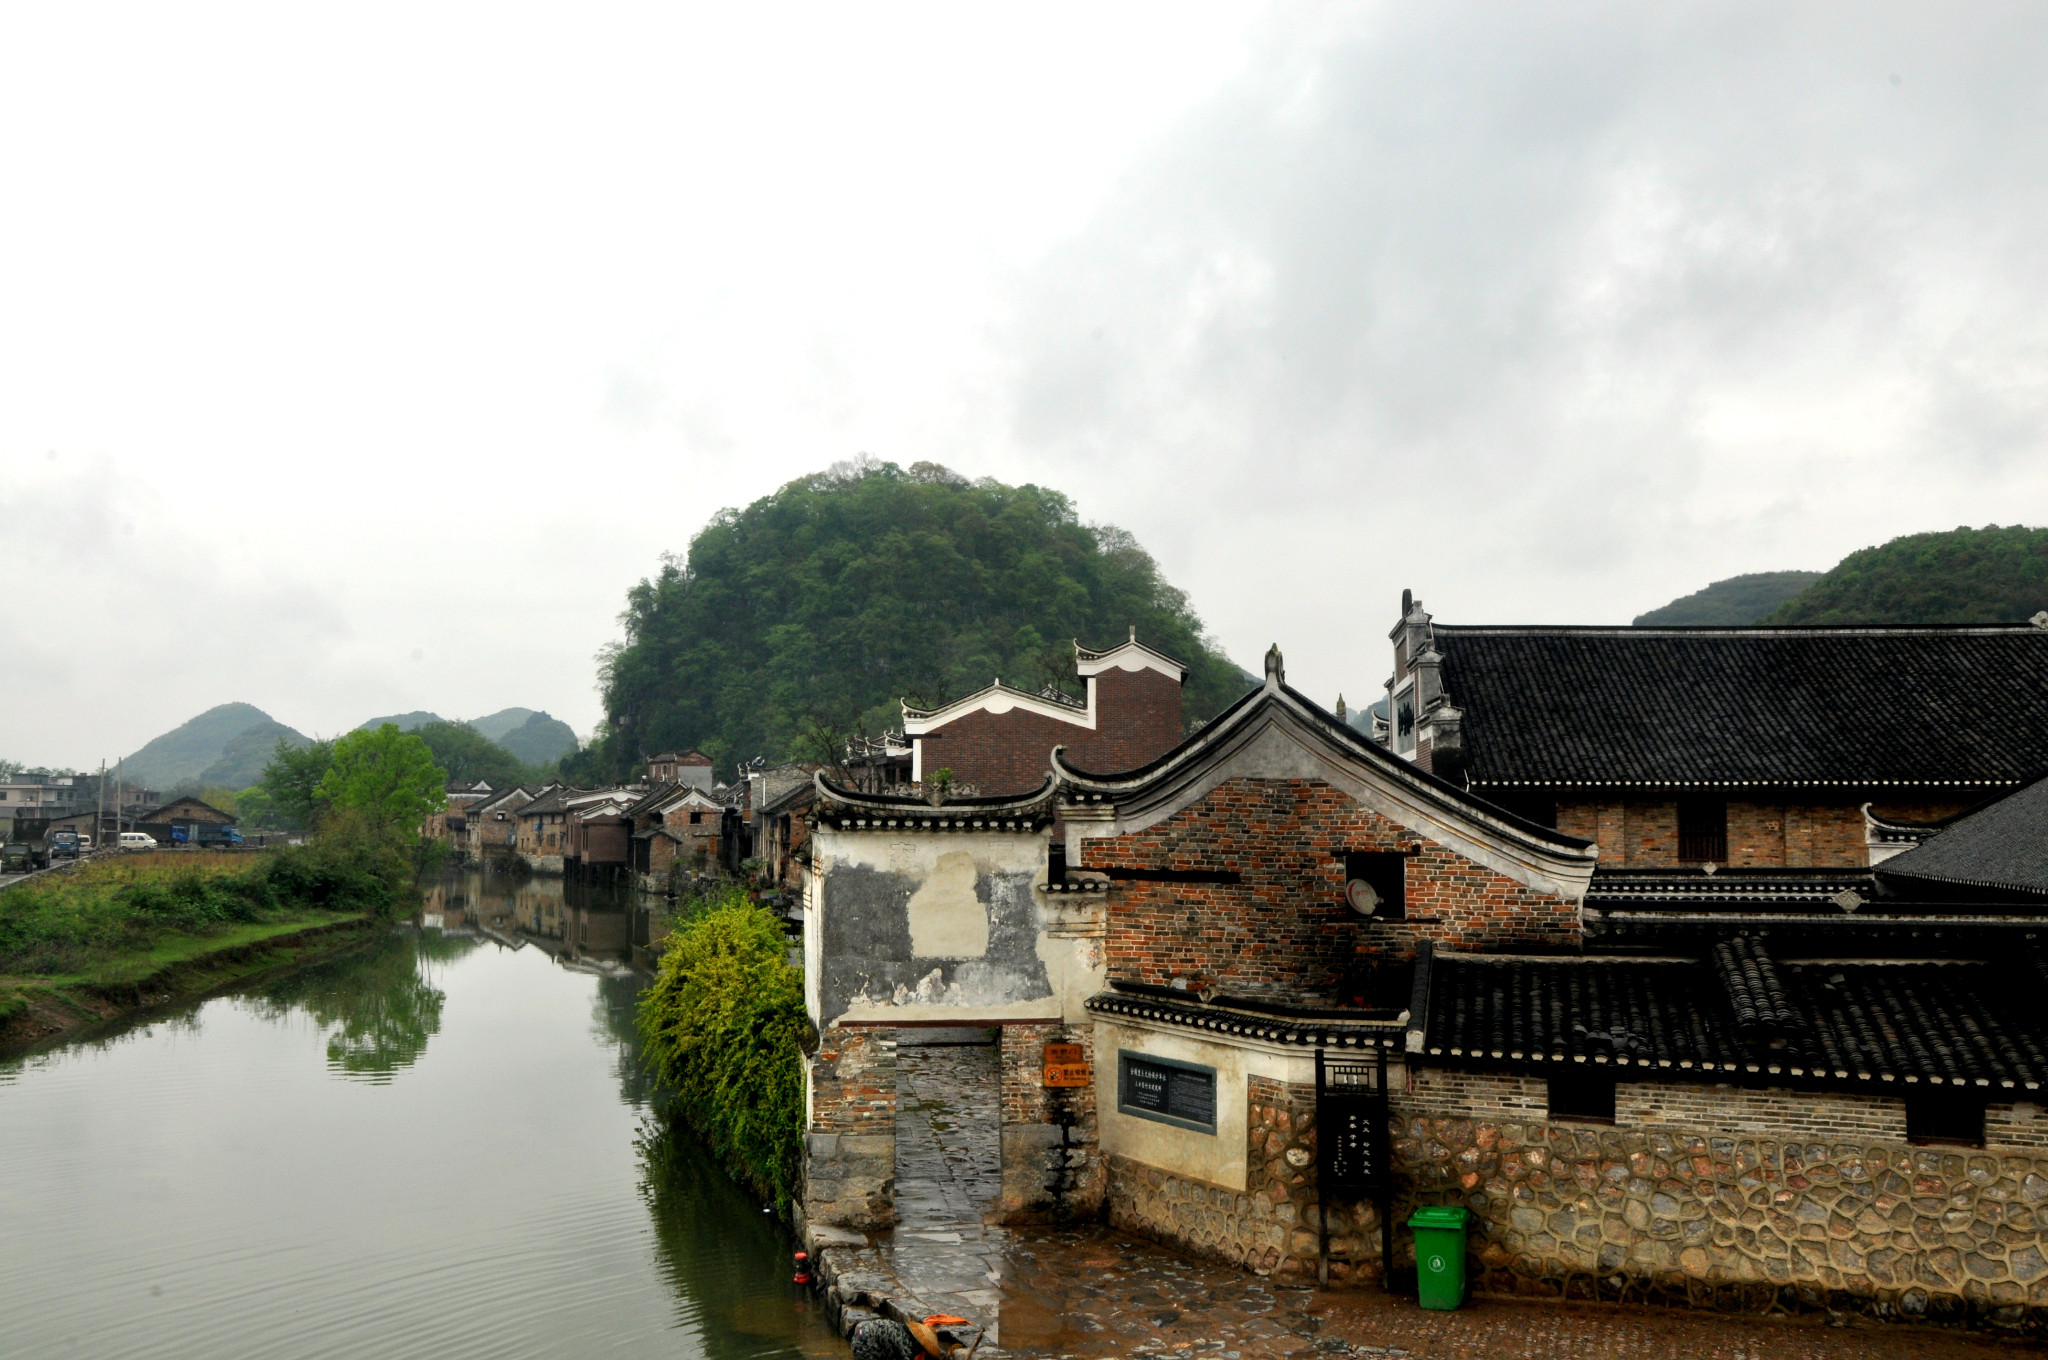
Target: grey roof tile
1734 706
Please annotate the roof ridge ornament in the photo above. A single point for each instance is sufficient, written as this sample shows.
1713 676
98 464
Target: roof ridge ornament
1276 671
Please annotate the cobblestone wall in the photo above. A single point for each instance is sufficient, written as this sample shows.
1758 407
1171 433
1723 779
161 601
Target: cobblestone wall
1757 1224
1052 1165
1272 1225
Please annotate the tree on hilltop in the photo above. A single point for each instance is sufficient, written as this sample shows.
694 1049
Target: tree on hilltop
1963 575
821 606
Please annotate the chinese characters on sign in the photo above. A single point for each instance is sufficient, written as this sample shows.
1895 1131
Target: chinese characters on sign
1067 1065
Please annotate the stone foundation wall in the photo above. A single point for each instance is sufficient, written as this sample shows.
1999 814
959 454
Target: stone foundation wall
1706 1216
1052 1165
850 1144
1272 1226
1737 1222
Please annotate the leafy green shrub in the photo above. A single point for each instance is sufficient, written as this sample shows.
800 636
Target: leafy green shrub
721 1026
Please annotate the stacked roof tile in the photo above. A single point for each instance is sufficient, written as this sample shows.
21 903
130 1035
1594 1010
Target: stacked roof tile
1741 1013
1902 706
2003 847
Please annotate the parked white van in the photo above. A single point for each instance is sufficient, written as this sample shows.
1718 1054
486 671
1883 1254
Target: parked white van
137 840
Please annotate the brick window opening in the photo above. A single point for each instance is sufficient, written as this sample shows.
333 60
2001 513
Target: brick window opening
1585 1097
696 819
1702 831
1376 883
1952 1117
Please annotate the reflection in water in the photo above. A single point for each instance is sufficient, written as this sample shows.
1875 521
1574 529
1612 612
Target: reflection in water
378 1004
484 1181
715 1247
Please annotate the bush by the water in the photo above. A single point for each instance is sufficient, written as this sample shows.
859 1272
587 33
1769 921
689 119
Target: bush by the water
722 1026
69 922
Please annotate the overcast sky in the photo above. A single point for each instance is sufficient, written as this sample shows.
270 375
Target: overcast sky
358 359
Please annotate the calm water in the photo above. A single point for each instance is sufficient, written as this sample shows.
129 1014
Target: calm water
438 1146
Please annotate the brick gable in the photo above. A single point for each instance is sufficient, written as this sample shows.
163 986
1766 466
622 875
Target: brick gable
1283 929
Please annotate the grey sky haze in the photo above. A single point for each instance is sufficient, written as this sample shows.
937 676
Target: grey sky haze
358 361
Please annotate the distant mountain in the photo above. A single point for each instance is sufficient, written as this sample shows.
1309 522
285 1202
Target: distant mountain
1731 603
405 722
503 721
1964 575
217 747
540 740
243 758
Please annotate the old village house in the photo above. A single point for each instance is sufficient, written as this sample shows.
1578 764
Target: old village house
1779 1079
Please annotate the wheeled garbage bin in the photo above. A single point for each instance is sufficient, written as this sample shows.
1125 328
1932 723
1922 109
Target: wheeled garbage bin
1440 1255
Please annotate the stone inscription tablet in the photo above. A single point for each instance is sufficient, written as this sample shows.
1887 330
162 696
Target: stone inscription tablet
1169 1091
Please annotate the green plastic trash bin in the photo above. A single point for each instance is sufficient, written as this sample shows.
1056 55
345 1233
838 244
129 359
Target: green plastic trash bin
1440 1255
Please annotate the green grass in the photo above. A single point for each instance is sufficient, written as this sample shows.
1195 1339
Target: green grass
170 950
127 917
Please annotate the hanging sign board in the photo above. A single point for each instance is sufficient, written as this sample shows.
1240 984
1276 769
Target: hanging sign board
1067 1065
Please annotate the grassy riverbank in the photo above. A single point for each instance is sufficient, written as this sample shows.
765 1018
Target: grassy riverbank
80 947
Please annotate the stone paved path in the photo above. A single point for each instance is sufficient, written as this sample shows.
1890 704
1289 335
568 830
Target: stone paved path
948 1176
1094 1293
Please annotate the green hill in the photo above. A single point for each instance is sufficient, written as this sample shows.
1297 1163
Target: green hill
1730 603
540 740
809 614
242 760
496 725
1988 575
404 722
215 748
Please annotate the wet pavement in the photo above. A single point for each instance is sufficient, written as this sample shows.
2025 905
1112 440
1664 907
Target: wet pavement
1095 1293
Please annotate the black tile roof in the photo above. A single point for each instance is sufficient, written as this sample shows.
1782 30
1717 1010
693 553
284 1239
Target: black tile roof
1738 1015
1219 1017
2003 846
1862 707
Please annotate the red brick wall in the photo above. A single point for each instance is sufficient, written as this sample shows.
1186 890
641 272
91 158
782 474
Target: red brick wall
1137 720
1137 715
1053 1171
1643 833
853 1082
1284 928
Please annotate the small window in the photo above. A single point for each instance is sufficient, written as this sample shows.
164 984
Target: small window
1167 1090
1376 884
1943 1115
1587 1097
696 819
1702 831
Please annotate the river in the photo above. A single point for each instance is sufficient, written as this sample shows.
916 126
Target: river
439 1145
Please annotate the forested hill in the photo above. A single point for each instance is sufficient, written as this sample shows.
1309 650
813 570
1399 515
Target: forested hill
811 613
1735 601
1988 575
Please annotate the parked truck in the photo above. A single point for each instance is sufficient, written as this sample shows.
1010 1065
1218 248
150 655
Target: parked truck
28 845
205 834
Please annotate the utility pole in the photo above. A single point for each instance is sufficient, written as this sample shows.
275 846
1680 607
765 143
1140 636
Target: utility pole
99 825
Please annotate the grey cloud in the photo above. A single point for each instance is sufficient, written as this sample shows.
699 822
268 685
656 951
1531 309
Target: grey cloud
1567 289
125 633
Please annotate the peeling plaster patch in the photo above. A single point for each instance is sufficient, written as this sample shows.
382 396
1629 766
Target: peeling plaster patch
947 918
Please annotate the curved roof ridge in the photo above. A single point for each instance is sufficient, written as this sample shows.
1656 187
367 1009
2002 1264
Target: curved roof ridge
1342 734
897 803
